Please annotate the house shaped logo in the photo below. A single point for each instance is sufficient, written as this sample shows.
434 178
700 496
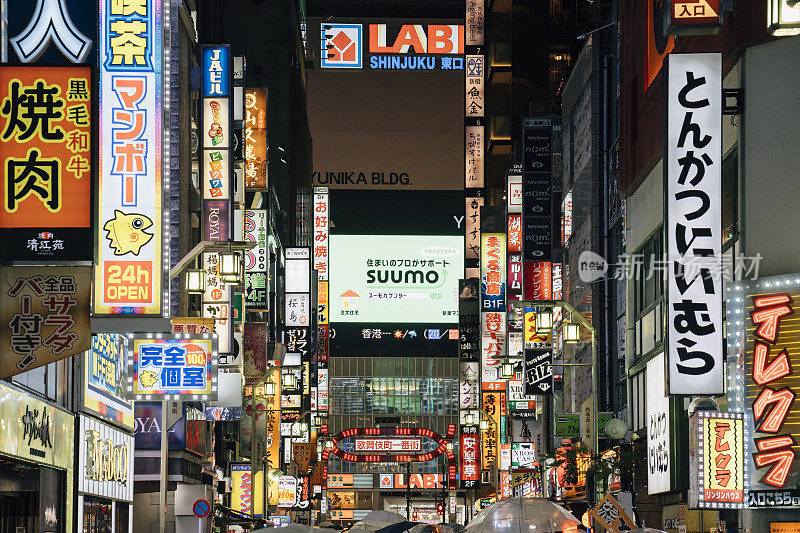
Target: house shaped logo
341 46
350 299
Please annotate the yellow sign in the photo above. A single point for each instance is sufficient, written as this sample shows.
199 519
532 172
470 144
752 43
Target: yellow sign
241 488
610 514
784 527
322 302
722 459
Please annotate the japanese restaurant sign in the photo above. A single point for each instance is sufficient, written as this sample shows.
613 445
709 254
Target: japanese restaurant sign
129 277
46 152
44 316
173 366
475 102
493 272
693 218
470 451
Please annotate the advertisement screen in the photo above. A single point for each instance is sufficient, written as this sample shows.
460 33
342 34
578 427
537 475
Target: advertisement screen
412 279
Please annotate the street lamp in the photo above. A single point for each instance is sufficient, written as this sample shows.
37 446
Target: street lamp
469 419
195 281
783 17
269 389
289 381
507 371
572 333
544 321
230 267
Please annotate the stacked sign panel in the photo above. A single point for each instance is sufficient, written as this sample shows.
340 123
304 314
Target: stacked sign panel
130 274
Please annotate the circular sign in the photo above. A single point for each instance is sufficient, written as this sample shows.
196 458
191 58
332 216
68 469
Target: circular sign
201 508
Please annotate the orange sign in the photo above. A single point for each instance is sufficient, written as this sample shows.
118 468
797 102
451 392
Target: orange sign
45 153
784 527
611 515
687 17
658 46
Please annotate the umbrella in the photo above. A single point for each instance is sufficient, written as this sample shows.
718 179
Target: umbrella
295 528
523 514
377 520
402 527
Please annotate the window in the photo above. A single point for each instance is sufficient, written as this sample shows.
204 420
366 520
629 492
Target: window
52 381
648 284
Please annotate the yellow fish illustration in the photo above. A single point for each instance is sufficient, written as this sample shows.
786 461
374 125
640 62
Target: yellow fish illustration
126 232
148 379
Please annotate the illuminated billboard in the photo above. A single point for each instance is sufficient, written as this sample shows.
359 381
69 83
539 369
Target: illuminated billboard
130 231
763 329
391 278
716 466
46 153
172 366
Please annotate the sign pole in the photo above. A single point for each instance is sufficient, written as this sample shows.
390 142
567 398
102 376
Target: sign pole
162 489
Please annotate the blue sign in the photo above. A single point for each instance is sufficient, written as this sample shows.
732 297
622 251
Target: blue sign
216 71
201 508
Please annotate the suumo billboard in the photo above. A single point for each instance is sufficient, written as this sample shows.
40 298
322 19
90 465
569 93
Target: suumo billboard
130 231
46 155
693 222
390 278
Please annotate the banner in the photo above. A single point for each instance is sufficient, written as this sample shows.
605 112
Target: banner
44 316
129 278
46 156
256 260
693 222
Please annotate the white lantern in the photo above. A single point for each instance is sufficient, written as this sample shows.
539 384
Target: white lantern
195 281
783 17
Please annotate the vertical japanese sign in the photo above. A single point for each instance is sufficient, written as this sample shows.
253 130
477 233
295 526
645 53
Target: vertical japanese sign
298 291
515 233
321 264
566 218
475 22
514 193
256 260
173 366
766 385
45 153
493 272
255 139
659 458
538 280
44 316
469 386
693 222
470 452
217 301
475 95
514 277
105 375
716 454
473 227
493 404
241 488
474 151
129 276
493 347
